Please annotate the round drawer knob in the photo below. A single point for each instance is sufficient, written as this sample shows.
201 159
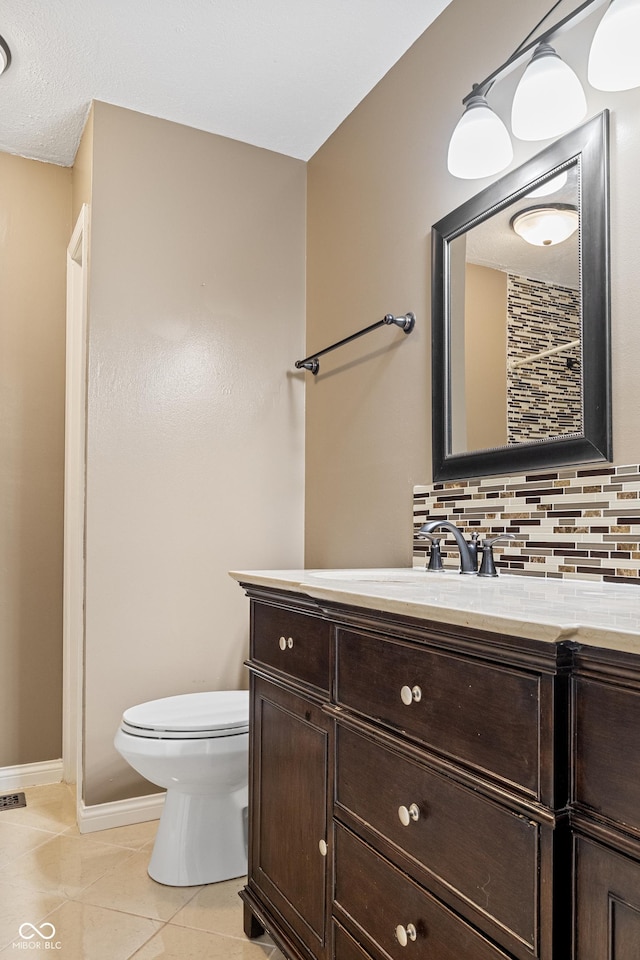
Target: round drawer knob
407 814
282 643
410 695
404 934
290 642
323 847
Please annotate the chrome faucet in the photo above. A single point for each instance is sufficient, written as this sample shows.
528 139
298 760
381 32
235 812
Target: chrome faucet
468 552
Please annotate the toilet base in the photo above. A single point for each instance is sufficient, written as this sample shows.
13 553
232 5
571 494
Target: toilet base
201 838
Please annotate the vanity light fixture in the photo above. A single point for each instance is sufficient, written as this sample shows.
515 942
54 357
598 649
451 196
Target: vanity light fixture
614 61
545 226
5 55
549 99
480 145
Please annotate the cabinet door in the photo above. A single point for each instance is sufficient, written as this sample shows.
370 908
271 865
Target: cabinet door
607 908
289 817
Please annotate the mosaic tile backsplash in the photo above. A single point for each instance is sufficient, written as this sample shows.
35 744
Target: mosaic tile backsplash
544 396
580 523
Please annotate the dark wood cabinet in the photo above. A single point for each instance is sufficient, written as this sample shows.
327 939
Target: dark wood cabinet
288 889
384 907
419 789
607 903
607 756
482 715
606 805
289 810
456 840
292 643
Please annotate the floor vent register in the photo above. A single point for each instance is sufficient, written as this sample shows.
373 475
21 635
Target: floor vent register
9 801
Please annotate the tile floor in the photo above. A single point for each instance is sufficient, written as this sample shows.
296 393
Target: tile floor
94 892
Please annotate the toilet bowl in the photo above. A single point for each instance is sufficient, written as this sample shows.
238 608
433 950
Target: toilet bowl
195 746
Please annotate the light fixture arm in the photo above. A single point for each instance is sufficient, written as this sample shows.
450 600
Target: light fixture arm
582 11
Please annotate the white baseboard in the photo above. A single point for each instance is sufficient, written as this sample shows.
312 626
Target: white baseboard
119 813
30 775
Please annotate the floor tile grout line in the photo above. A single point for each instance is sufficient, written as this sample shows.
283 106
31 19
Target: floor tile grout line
148 940
54 836
25 853
224 936
14 864
124 913
103 876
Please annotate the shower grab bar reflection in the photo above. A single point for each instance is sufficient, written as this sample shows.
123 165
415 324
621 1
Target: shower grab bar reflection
312 363
543 353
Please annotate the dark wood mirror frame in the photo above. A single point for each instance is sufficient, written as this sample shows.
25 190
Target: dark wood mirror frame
589 146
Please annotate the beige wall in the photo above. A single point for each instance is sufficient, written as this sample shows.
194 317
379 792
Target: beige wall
374 190
195 425
486 357
35 218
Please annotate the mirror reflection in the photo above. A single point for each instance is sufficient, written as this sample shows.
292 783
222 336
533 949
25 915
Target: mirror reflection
520 316
516 371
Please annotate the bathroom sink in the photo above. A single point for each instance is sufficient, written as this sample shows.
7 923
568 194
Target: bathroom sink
399 575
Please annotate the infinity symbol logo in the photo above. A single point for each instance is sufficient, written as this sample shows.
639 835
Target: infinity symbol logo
37 931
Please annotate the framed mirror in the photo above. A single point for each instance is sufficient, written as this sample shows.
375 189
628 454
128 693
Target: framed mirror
520 317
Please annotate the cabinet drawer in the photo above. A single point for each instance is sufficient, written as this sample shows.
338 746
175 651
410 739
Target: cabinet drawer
374 898
477 849
296 643
607 750
484 716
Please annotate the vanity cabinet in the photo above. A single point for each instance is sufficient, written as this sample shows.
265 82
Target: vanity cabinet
408 787
605 699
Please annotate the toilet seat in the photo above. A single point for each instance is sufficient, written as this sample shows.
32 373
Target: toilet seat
190 716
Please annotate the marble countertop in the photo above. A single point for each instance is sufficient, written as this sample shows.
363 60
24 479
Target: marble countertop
588 612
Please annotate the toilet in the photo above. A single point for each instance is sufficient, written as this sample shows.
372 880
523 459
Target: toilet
195 745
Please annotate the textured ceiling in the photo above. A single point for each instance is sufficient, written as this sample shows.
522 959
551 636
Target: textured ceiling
279 74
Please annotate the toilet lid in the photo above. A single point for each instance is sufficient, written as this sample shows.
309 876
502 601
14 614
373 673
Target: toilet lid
222 713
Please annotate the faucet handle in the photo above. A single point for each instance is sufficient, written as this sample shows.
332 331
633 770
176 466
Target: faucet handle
488 567
474 548
435 557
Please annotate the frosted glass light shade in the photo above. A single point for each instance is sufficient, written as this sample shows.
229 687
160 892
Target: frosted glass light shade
549 100
5 55
546 226
480 144
614 59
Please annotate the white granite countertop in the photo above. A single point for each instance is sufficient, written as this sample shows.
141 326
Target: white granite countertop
589 612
